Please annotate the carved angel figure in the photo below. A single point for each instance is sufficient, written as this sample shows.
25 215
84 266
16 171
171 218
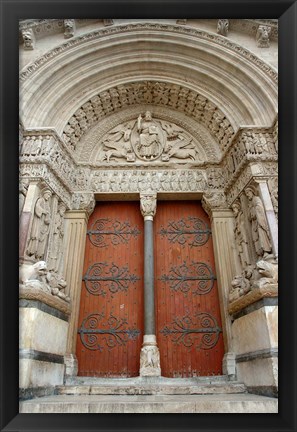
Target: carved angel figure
260 229
118 142
40 225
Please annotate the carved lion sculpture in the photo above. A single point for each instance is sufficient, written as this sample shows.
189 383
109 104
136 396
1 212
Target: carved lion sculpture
240 286
33 276
57 285
269 273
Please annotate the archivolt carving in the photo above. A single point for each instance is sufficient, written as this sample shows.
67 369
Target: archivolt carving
91 143
151 27
149 93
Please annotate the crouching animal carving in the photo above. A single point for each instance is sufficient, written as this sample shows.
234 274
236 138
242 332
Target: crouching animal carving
37 276
34 276
240 286
269 273
57 285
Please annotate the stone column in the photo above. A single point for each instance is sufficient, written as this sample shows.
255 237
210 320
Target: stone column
74 246
227 266
270 215
149 355
75 232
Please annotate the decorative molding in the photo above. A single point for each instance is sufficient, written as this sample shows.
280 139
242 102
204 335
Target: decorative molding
40 356
38 295
188 31
255 355
250 26
24 303
253 296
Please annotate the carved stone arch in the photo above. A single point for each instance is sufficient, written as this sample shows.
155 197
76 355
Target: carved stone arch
78 68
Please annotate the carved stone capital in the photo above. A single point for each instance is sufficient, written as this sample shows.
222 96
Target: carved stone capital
148 205
83 201
214 201
149 357
223 27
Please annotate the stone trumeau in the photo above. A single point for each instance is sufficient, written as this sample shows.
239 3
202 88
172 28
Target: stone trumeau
175 115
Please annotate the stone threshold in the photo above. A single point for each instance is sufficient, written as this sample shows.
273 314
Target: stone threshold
226 404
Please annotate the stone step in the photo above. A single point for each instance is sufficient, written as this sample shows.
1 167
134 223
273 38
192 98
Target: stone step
151 389
215 403
79 380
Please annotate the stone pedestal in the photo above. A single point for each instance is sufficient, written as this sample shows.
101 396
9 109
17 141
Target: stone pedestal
149 357
42 340
255 336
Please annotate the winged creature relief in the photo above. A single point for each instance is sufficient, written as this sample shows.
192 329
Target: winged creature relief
148 139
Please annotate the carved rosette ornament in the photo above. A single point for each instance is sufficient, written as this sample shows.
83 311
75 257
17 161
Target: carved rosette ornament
148 205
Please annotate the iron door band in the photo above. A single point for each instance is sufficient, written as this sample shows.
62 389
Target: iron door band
106 231
181 278
102 276
184 330
192 230
113 332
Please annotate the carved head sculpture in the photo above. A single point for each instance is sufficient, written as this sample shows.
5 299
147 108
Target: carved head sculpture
46 193
236 207
250 193
148 115
28 38
62 209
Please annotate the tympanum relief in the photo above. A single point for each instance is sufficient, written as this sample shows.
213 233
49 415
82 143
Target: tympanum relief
147 139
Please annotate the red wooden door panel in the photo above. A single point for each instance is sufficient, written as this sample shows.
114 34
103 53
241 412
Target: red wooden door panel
110 327
189 330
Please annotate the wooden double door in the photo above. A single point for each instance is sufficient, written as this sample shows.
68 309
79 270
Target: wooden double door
187 313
